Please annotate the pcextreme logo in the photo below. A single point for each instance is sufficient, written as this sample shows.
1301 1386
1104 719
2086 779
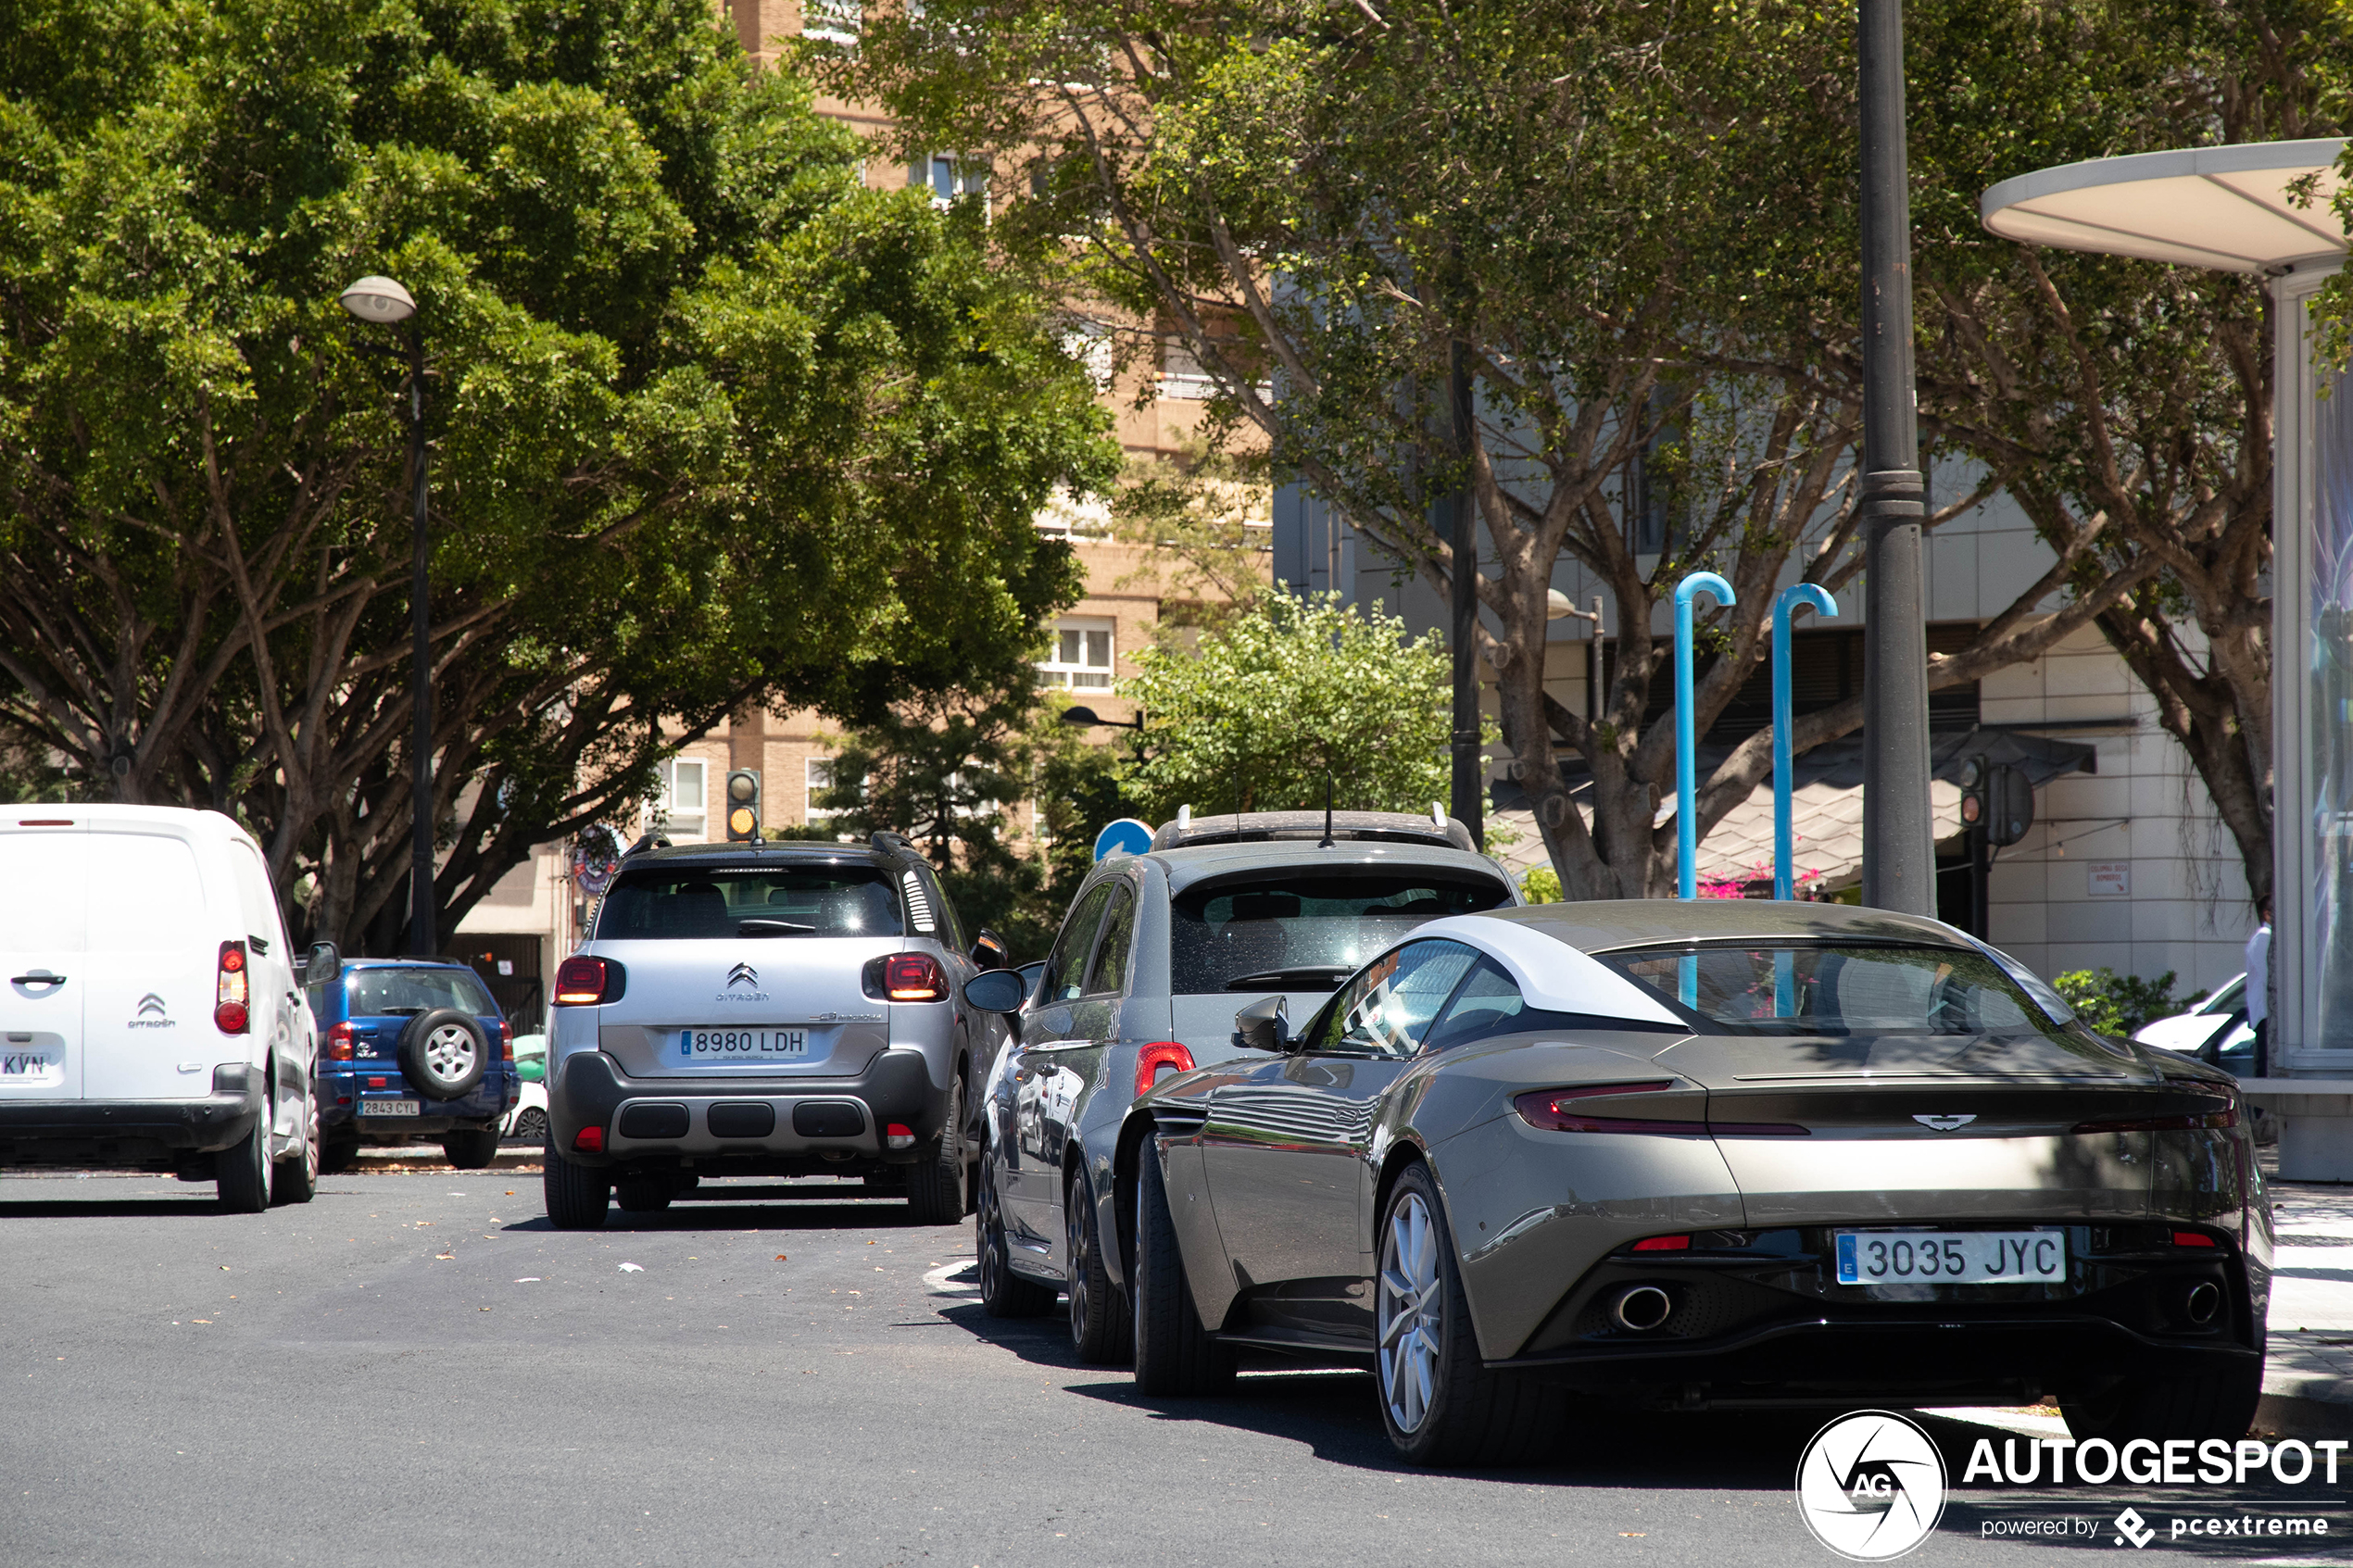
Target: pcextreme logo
1870 1486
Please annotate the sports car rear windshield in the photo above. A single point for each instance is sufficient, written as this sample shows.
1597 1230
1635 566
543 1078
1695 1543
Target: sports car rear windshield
1831 989
1306 933
373 992
691 903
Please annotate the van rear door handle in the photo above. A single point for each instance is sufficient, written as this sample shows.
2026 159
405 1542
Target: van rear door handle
36 980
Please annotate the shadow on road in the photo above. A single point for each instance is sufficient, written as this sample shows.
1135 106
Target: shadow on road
199 1199
774 1207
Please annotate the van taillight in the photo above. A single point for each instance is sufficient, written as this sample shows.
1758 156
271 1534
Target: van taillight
1169 1054
582 981
230 992
906 977
342 1040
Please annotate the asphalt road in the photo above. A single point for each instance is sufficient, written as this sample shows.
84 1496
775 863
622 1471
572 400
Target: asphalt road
416 1369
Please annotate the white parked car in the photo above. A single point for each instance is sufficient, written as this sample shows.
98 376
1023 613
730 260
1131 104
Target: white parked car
527 1122
2214 1029
152 1013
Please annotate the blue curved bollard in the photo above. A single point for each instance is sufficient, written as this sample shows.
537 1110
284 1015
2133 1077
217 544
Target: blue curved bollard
1785 607
1687 763
1686 745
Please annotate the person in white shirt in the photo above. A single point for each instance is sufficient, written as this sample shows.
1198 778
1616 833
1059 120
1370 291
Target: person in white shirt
2259 985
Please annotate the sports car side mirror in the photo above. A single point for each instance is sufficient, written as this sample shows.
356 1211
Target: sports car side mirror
1264 1025
996 990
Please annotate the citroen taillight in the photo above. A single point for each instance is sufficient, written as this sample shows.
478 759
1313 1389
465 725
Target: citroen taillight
231 991
582 981
914 977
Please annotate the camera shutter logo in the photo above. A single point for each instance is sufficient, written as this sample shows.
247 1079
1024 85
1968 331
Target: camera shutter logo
1870 1486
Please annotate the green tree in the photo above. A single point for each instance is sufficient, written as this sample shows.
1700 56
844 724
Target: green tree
1269 705
2110 1003
711 422
1630 230
957 772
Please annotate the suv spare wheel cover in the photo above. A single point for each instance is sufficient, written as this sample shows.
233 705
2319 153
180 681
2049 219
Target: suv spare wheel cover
443 1053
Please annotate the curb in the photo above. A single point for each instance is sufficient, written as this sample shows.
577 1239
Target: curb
2305 1407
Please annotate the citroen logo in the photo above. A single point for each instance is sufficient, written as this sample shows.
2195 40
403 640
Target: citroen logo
151 1006
1945 1124
743 974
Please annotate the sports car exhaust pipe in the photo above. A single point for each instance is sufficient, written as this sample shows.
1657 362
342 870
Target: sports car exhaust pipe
1642 1308
2202 1303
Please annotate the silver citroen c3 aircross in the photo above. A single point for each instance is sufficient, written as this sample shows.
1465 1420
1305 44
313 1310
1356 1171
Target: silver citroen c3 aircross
783 1010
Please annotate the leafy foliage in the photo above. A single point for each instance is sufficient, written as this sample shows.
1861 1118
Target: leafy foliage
2109 1003
710 423
1286 694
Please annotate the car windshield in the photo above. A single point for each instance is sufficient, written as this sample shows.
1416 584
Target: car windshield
375 992
686 902
1833 989
1306 930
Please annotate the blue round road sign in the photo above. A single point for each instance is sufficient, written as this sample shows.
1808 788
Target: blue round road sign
1125 836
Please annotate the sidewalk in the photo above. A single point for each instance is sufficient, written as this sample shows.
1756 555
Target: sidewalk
2308 1387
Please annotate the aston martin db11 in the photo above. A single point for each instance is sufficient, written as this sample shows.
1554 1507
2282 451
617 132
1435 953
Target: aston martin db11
1693 1155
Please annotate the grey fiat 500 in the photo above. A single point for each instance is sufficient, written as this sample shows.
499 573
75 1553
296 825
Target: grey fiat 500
1141 983
765 1010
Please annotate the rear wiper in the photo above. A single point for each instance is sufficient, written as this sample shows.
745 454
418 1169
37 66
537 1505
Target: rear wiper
772 928
1310 976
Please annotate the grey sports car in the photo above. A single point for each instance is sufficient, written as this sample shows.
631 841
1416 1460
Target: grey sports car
1701 1154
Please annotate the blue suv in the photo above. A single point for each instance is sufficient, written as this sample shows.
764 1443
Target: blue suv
410 1050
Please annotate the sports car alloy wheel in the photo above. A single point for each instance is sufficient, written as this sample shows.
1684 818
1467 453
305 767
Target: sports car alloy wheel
1440 1403
1412 1308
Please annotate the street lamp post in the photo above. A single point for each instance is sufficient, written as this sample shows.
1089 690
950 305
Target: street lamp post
383 300
1899 857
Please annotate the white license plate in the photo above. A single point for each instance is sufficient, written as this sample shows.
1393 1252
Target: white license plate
387 1108
742 1045
1951 1257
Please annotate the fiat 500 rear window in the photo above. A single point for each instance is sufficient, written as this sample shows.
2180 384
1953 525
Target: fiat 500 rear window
691 903
1294 932
1832 989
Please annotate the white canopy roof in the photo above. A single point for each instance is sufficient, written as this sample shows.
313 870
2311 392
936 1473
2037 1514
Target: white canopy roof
2223 208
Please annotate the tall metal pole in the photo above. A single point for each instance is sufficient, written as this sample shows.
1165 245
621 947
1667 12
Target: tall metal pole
1899 855
421 899
1469 786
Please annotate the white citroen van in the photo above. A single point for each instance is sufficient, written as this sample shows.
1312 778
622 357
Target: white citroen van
152 1015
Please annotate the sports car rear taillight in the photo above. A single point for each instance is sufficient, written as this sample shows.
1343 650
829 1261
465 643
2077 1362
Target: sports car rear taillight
1565 1111
1161 1055
1664 1244
2194 1121
342 1042
231 991
582 981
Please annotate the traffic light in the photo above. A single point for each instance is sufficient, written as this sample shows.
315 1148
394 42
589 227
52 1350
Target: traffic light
1973 793
743 807
2009 805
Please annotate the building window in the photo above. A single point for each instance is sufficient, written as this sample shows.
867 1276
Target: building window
1181 375
819 774
949 178
1080 656
682 802
832 21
